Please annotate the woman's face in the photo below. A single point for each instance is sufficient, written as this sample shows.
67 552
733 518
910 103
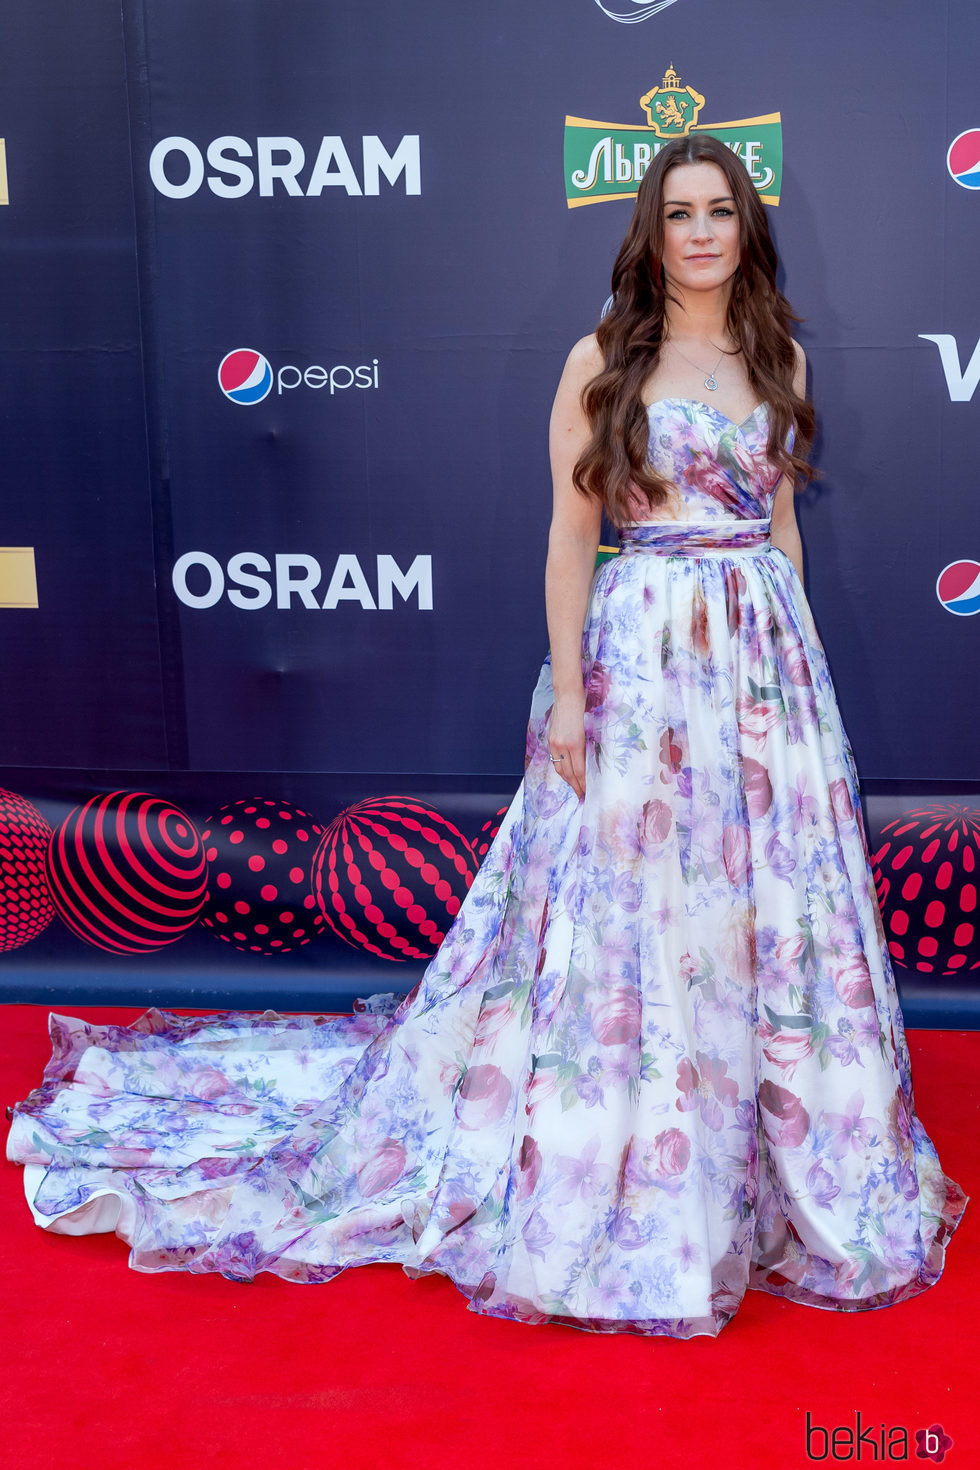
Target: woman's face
700 227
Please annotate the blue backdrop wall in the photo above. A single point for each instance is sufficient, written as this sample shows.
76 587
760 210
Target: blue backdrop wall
286 294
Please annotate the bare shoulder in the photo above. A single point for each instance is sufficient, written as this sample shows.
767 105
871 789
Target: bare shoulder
581 366
799 372
584 360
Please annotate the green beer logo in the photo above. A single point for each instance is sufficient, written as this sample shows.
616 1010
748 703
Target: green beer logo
605 161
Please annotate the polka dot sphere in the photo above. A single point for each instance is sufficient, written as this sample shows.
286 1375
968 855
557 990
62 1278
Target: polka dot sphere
127 872
390 875
25 904
260 894
488 832
927 875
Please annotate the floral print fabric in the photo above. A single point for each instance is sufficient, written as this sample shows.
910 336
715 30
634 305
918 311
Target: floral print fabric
659 1057
719 470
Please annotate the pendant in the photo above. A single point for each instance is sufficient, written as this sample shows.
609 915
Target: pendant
710 383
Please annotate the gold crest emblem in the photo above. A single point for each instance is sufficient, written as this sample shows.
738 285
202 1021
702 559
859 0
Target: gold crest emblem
672 110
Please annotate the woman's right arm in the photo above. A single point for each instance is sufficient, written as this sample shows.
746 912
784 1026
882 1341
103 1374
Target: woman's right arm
572 544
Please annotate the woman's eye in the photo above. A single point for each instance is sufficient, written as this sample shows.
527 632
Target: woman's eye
721 211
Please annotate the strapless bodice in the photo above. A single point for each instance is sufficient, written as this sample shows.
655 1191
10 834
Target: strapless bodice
720 470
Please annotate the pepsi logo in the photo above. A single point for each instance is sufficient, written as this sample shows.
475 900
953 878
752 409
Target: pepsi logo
963 159
245 376
958 588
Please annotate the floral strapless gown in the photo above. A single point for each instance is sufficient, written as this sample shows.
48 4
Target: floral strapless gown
659 1057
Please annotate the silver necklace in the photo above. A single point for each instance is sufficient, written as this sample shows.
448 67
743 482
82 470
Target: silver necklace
710 382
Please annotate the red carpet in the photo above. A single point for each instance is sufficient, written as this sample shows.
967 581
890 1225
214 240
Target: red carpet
105 1368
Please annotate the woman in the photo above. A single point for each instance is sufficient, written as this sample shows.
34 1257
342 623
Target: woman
659 1057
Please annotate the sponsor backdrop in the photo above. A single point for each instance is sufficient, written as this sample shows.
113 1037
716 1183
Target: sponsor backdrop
287 291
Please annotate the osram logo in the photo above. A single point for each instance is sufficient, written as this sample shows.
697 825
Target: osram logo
250 580
279 166
961 382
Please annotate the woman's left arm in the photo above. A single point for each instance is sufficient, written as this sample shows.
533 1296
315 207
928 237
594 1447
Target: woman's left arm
784 532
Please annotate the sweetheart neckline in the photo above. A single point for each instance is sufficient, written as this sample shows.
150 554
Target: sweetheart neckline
710 407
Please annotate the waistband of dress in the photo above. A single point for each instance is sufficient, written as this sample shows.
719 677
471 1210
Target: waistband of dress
695 538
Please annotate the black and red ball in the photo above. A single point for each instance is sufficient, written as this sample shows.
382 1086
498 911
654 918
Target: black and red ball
488 832
127 872
260 896
25 903
390 876
927 876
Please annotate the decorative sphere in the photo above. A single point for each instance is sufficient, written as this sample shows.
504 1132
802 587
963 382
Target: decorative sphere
927 873
25 903
390 875
260 895
482 843
127 872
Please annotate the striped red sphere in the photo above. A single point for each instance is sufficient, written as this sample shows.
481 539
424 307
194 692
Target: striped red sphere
390 875
260 895
25 903
127 872
927 876
483 842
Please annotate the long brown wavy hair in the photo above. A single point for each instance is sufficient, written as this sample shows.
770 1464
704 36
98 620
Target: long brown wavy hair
614 464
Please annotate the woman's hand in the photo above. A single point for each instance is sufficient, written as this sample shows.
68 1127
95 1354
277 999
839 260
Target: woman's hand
566 739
